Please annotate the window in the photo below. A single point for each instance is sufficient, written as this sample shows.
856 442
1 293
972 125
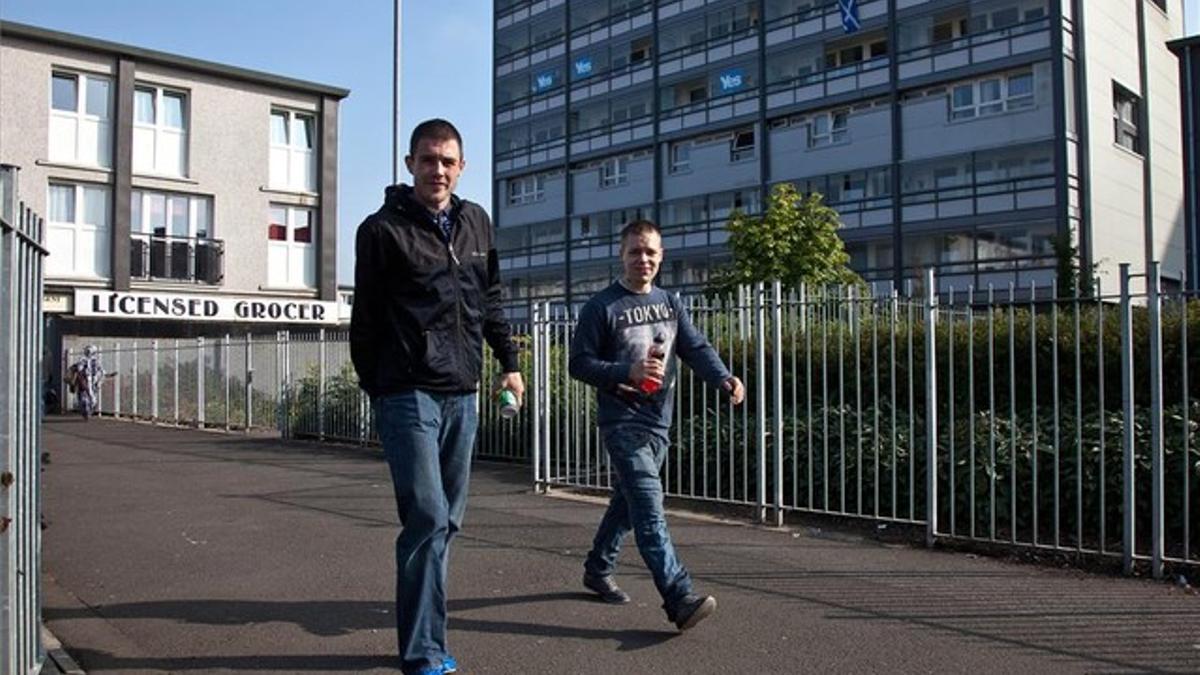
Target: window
681 156
1126 112
164 214
293 151
614 171
80 111
526 189
742 145
828 128
159 131
992 95
291 257
78 232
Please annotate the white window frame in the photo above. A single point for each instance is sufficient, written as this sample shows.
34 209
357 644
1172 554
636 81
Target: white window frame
72 133
526 189
293 166
196 213
834 132
160 134
299 258
614 171
77 228
1126 118
1007 101
742 145
681 157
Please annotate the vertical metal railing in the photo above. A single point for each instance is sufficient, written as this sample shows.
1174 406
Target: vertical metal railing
22 255
975 413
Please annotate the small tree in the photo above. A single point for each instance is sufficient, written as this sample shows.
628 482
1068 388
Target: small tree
1069 268
795 241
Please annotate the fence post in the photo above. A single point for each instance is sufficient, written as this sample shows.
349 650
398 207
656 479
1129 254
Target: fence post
777 386
931 421
1154 300
536 394
226 348
1127 467
201 403
760 400
154 381
117 388
135 388
248 420
67 397
544 424
321 384
176 392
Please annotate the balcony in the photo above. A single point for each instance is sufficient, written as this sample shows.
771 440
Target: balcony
817 20
176 259
824 84
522 10
636 15
1022 38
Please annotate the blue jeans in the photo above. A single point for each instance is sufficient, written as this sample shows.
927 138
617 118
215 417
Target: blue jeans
427 438
637 504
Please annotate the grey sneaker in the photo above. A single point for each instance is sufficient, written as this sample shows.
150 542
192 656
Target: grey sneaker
606 588
693 609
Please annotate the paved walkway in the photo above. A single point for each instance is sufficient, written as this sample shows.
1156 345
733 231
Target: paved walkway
186 551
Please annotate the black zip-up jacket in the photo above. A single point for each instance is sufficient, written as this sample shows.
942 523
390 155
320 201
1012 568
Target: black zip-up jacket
423 306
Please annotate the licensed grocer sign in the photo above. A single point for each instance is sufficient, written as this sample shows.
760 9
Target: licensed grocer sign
185 307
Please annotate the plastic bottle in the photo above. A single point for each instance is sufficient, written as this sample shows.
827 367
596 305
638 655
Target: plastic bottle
650 385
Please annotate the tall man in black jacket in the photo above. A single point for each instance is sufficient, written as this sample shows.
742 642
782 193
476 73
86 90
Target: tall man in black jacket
426 296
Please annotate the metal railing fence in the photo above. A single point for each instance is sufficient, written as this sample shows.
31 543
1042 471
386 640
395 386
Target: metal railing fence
22 256
301 385
1022 416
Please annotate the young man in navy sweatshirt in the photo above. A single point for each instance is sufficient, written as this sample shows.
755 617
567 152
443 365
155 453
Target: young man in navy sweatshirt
623 346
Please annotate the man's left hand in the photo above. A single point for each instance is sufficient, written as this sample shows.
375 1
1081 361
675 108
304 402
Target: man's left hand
735 389
514 383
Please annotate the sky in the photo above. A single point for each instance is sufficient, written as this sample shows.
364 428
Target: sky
446 56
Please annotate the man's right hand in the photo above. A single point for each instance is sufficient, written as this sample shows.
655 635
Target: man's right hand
647 368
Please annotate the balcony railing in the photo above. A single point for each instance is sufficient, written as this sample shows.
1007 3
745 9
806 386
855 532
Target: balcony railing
155 257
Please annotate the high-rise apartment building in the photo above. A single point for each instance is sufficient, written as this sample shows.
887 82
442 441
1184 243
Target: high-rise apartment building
966 136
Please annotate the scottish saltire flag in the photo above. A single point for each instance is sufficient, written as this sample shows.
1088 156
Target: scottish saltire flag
850 22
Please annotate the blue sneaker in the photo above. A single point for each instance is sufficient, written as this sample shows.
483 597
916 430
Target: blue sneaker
449 665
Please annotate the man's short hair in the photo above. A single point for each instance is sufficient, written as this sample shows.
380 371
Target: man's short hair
436 129
636 227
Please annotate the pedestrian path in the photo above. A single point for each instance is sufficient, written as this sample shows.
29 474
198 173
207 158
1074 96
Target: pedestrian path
173 550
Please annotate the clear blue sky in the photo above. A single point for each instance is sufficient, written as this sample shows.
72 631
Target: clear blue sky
447 50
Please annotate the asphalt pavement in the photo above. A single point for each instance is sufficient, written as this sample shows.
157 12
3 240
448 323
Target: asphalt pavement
186 551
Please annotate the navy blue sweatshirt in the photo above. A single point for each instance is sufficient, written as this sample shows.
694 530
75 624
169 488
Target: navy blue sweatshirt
617 328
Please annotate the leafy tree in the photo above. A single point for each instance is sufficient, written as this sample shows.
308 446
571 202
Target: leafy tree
795 241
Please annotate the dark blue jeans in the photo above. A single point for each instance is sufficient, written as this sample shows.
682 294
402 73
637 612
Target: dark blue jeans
637 504
427 438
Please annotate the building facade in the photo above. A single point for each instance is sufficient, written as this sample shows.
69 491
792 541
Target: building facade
1188 51
181 197
985 139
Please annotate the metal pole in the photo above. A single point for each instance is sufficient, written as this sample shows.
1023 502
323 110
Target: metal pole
249 416
1127 467
154 381
200 402
117 387
1156 422
777 412
226 347
175 389
760 417
398 15
931 497
321 384
536 396
136 377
